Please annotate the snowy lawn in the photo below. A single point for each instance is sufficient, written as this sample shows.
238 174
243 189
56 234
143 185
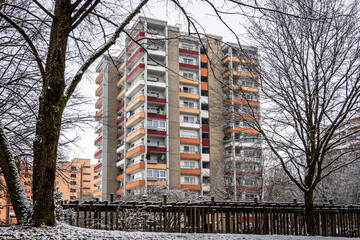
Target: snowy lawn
64 231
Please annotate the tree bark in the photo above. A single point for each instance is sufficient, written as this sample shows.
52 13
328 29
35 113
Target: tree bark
52 104
14 186
310 220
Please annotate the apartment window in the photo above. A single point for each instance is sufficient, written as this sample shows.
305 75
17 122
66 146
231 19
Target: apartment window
189 164
190 180
206 150
189 104
72 190
156 123
27 190
159 174
189 134
73 168
73 175
250 182
86 180
86 188
204 93
250 196
86 166
187 46
189 149
72 197
188 89
87 174
27 175
217 42
72 182
205 121
205 106
189 119
27 183
188 60
188 75
206 164
153 142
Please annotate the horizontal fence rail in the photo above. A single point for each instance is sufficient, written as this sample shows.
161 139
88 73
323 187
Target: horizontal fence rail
212 217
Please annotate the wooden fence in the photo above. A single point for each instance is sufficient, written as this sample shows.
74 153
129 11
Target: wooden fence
212 217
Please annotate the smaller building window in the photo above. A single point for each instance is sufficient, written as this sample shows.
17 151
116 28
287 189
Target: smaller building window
72 182
86 180
72 197
86 188
73 175
87 174
73 168
27 190
217 42
72 190
27 183
86 166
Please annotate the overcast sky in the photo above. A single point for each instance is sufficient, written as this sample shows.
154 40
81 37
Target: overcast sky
202 13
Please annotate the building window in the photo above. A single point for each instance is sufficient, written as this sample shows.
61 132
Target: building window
188 60
72 190
206 164
87 174
204 93
188 75
86 181
72 197
86 188
189 119
188 90
217 42
189 149
73 168
72 182
86 166
156 123
187 46
189 104
189 165
27 190
159 174
27 175
73 175
27 183
190 180
204 106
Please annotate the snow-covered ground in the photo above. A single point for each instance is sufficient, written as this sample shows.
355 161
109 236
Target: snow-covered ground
63 231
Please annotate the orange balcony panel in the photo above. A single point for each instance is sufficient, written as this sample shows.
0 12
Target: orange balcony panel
157 166
189 95
136 166
121 176
239 73
184 80
134 118
204 71
156 183
97 79
189 110
98 114
139 148
186 186
244 130
250 89
134 184
248 116
121 67
99 89
98 180
120 191
120 94
255 103
138 99
136 133
190 140
236 59
190 171
190 155
205 85
120 81
99 101
203 58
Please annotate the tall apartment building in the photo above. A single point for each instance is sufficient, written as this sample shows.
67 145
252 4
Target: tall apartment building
160 115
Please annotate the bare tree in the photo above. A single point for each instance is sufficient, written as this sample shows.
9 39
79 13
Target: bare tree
310 85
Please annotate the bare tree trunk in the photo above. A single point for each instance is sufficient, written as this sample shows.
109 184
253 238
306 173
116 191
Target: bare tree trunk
14 186
52 104
310 213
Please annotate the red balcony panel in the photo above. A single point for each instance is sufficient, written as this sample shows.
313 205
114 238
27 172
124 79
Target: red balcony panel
184 65
120 121
121 107
205 142
158 100
205 128
181 50
156 149
140 34
154 132
98 140
157 116
134 55
97 153
119 135
97 166
141 65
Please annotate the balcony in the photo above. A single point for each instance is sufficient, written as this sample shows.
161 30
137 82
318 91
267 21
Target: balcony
203 58
132 44
158 149
120 148
188 52
135 118
98 154
188 81
204 71
136 167
120 96
190 171
191 186
135 150
240 74
205 86
156 132
155 67
205 127
98 141
120 121
100 78
121 68
135 72
120 108
239 129
120 191
188 66
97 168
135 57
135 102
120 177
99 90
159 52
154 99
135 134
120 163
186 109
98 115
189 95
205 157
99 104
243 101
195 125
190 139
135 183
206 172
189 155
120 134
120 83
135 87
98 128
